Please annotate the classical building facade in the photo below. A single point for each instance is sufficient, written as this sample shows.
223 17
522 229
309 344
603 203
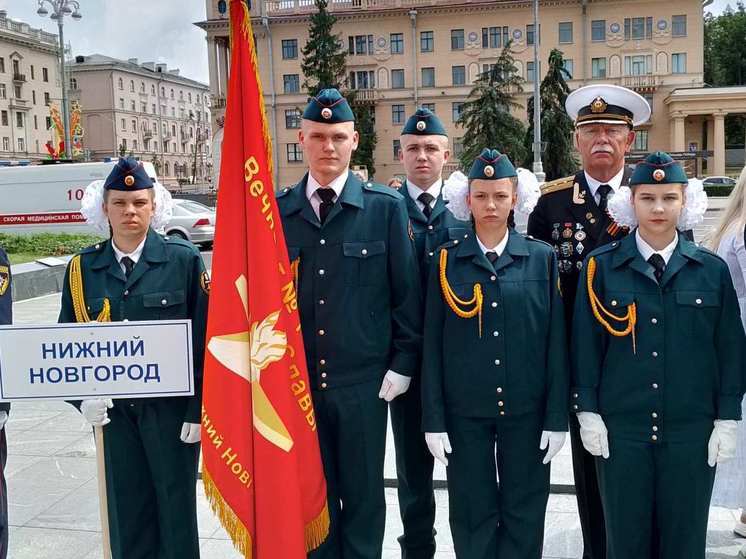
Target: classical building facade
29 82
405 53
145 110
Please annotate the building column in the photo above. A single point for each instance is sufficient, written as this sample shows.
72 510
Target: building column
223 63
719 144
679 132
212 64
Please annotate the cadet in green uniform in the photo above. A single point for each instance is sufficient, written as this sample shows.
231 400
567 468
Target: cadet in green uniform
360 313
495 373
658 372
424 151
150 445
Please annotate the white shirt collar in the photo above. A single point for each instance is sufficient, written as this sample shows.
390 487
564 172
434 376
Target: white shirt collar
499 248
647 251
615 182
134 255
336 185
434 190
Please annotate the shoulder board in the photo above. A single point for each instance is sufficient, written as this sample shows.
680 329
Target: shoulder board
557 185
539 241
381 189
712 254
448 244
283 191
606 248
93 248
174 240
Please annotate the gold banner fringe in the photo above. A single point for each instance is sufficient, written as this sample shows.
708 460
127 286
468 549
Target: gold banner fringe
232 524
318 529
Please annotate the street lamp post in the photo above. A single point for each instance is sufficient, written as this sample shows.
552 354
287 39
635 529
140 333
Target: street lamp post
60 9
538 167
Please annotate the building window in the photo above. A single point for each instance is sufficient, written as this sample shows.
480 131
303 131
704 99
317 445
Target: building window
641 141
132 86
21 144
649 98
396 148
458 75
6 144
3 91
44 75
134 145
397 114
457 39
360 44
172 95
638 65
48 122
4 117
2 69
152 89
73 83
638 28
530 34
397 79
678 26
120 83
291 83
17 91
292 118
396 40
428 77
289 49
565 32
530 73
598 30
294 153
598 67
47 99
33 97
132 106
458 147
32 72
568 66
19 120
427 41
163 92
429 106
456 109
36 123
144 108
678 63
153 108
494 37
133 123
364 79
142 87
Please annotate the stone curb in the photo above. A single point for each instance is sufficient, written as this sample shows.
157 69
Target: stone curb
42 277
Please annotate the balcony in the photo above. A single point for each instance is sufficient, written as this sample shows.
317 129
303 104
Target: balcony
19 104
19 78
366 96
147 134
167 135
646 83
218 102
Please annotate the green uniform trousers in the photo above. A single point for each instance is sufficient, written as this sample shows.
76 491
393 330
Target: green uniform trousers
351 424
490 520
151 479
414 472
656 499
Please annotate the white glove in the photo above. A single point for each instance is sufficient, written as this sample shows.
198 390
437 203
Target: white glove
722 445
555 440
94 411
438 445
190 433
393 385
593 433
3 419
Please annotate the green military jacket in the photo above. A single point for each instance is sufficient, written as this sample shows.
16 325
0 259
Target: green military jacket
358 293
168 282
519 365
431 233
686 367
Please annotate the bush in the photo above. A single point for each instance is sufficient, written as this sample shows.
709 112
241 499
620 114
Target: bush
718 190
46 244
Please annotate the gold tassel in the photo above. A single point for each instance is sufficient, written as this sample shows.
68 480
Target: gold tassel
78 296
596 306
236 530
318 529
453 301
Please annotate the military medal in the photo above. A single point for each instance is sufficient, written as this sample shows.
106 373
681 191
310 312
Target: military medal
565 266
579 248
566 249
567 232
579 264
555 231
579 234
578 196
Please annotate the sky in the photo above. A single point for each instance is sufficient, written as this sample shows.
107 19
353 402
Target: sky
149 30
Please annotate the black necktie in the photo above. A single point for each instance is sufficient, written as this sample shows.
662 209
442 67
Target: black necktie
327 202
426 199
603 192
658 264
492 256
129 265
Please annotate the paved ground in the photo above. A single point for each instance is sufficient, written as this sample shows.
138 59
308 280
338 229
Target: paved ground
54 506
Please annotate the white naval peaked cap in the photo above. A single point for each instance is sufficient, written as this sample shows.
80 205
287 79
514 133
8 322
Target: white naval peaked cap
607 104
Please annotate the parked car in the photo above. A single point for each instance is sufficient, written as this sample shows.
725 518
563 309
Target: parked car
719 181
192 221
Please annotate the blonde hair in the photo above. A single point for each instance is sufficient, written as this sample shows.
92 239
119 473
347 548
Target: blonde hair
734 215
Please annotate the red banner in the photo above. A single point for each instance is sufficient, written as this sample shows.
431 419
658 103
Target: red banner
262 467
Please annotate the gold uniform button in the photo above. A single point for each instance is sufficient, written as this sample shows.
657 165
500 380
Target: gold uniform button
323 385
321 332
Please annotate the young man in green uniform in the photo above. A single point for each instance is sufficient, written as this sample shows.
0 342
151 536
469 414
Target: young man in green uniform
424 151
150 444
658 372
360 313
495 377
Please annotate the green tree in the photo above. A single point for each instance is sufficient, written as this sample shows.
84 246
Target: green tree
725 47
556 126
365 125
324 57
485 116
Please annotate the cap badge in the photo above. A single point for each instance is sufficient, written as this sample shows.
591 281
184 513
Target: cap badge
326 113
598 105
659 175
129 180
421 125
489 171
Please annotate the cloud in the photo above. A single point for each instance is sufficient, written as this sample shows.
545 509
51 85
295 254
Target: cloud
149 30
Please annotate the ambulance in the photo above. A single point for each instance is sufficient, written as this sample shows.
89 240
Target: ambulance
46 198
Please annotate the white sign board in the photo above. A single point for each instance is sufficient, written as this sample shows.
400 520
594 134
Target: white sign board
147 359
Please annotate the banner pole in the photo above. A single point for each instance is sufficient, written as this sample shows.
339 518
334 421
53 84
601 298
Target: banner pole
102 501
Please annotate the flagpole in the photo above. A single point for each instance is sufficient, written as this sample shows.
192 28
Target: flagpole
102 499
